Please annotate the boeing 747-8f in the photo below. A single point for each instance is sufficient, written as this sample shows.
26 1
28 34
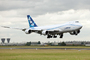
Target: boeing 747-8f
52 31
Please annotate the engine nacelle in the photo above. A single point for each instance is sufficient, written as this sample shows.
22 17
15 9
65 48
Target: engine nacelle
72 33
75 32
44 32
28 31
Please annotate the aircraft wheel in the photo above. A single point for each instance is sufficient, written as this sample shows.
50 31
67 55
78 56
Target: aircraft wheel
49 36
54 36
61 36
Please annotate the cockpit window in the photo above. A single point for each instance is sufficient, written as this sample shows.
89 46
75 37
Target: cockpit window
76 21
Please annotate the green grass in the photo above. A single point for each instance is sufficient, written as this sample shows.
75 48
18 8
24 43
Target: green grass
44 54
44 47
53 54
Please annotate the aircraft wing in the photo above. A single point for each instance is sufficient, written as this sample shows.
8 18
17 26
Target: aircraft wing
39 31
23 29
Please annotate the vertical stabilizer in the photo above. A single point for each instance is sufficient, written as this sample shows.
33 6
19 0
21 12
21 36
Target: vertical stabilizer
31 22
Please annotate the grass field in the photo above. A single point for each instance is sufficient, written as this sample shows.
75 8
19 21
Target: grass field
44 47
40 54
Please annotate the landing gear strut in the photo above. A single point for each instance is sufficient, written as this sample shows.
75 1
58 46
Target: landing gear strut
61 35
54 36
49 36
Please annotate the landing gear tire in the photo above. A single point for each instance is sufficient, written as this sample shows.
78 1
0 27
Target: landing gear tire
49 36
54 36
61 36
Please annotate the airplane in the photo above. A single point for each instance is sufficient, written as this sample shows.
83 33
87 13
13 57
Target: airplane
51 31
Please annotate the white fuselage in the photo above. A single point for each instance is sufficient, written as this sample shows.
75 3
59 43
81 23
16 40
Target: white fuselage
67 27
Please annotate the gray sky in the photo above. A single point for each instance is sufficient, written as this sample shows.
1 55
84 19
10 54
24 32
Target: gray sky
14 13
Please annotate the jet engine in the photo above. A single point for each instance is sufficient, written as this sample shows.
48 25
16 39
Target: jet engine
72 33
75 32
44 32
28 31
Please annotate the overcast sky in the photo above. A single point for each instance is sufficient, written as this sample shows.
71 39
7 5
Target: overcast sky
14 13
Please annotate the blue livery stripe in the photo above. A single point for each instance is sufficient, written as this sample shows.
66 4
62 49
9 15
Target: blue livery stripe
31 22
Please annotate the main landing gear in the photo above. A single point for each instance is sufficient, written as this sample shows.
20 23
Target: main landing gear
51 36
61 35
54 36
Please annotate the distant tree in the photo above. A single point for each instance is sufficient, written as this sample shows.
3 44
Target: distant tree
63 44
28 43
39 42
59 44
73 45
50 44
82 43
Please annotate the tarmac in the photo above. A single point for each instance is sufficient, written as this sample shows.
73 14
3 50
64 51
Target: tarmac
51 48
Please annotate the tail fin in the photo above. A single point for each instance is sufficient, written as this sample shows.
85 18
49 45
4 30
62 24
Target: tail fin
31 22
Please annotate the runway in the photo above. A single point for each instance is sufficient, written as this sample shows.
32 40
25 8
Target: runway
52 48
